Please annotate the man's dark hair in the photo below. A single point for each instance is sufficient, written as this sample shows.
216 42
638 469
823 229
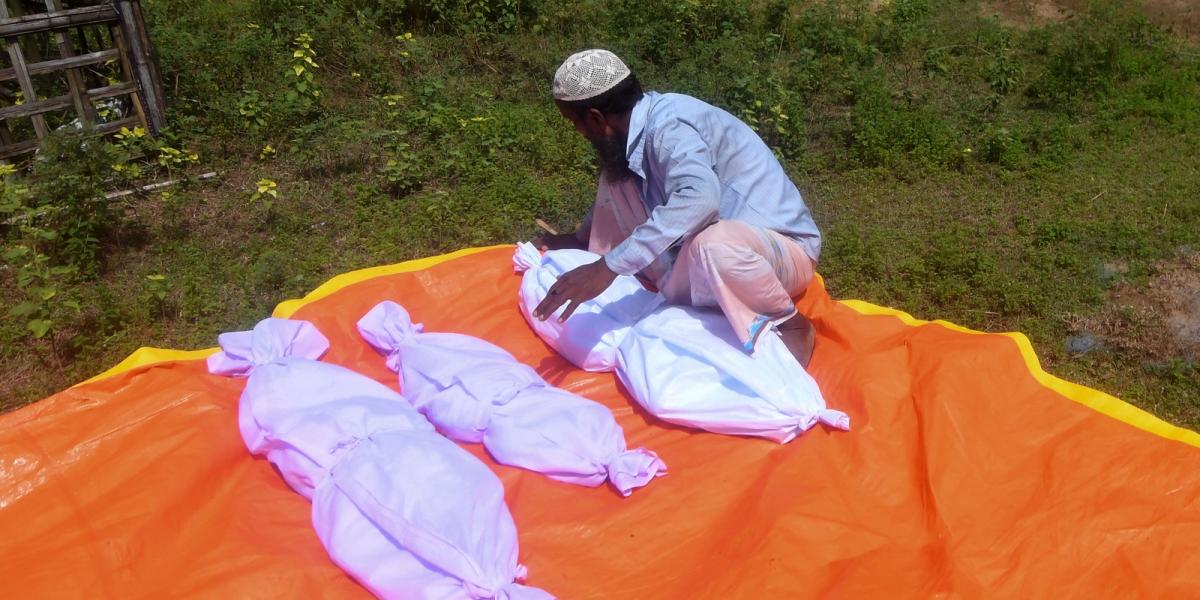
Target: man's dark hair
616 101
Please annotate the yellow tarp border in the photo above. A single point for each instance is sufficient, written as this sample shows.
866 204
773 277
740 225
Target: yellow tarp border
147 355
1094 399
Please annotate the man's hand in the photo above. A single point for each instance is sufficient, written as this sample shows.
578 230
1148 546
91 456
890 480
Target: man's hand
557 241
575 287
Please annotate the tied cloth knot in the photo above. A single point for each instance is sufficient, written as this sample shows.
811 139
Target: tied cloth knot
509 591
271 340
633 469
526 257
387 328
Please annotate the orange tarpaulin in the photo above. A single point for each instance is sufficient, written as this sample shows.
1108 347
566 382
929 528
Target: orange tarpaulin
968 473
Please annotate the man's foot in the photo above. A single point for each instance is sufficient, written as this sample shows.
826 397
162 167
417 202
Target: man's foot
800 337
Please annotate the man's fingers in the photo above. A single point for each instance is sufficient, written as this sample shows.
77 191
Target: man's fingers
563 290
545 308
541 307
569 311
553 300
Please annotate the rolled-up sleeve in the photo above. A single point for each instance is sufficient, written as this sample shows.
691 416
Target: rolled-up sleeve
678 156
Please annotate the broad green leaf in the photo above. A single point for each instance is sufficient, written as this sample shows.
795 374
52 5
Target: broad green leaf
40 327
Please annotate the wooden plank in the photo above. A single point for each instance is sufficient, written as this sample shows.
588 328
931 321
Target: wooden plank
119 39
115 126
160 99
75 17
59 64
65 101
153 187
109 91
75 84
144 73
18 148
23 78
30 109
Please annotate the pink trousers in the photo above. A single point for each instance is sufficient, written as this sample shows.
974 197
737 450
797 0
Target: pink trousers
751 273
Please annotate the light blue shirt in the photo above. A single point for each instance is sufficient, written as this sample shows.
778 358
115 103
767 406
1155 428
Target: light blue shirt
699 164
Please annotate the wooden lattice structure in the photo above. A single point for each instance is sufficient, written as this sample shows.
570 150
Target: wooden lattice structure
89 67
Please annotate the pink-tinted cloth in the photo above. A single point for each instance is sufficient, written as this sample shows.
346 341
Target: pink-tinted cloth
474 391
617 210
751 273
402 509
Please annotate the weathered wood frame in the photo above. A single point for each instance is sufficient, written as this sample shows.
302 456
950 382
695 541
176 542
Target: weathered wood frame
140 76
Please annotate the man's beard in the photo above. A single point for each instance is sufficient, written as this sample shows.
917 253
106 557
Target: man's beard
610 152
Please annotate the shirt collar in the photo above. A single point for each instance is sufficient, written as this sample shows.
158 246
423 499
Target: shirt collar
636 140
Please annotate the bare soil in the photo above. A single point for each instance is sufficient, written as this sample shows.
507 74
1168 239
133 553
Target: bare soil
1179 16
1159 319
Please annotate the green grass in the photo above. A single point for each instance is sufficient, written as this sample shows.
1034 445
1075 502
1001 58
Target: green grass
960 168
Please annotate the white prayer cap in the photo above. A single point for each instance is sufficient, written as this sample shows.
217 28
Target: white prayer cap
588 74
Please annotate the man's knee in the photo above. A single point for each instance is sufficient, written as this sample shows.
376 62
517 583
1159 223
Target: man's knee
719 234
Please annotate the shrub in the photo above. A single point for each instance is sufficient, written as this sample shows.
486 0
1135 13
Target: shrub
1089 58
888 133
66 199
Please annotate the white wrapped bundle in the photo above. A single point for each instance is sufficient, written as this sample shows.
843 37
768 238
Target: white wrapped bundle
589 339
474 391
686 366
403 510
